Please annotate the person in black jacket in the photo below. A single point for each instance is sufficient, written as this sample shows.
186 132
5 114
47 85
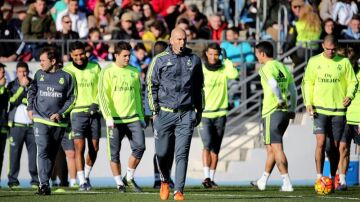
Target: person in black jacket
4 99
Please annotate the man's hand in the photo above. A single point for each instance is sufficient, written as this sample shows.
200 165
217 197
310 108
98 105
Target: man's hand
55 117
347 101
24 81
310 110
30 114
292 115
110 124
198 118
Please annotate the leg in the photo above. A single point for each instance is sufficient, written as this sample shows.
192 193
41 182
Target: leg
79 145
337 131
206 131
93 144
114 137
280 158
31 148
319 153
16 142
68 146
137 144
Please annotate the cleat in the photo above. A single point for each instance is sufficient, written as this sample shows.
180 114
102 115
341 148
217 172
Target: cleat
84 187
164 191
341 187
15 186
157 184
43 190
34 186
206 183
132 184
258 184
287 188
76 185
214 185
88 183
179 196
121 188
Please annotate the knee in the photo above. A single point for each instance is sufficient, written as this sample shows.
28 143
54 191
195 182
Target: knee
115 158
138 152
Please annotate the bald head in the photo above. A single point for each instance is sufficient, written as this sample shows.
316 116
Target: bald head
178 40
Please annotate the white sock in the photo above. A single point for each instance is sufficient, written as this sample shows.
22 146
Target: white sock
72 182
81 177
212 175
342 179
265 176
286 179
118 180
318 176
87 170
206 172
130 173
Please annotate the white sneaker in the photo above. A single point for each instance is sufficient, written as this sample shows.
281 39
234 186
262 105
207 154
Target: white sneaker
287 188
259 184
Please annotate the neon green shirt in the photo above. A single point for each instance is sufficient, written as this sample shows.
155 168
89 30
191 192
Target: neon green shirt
215 88
120 94
353 111
327 82
87 85
274 69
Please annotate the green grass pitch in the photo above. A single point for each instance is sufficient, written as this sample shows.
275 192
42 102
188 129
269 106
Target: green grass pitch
192 193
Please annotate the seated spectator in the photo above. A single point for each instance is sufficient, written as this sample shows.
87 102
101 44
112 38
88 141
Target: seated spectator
326 9
135 9
192 43
157 32
352 31
343 11
140 60
183 23
239 53
328 28
9 51
193 15
78 19
149 16
214 30
126 29
99 50
37 24
58 7
100 18
65 34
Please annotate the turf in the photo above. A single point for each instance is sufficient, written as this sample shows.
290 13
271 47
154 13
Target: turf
192 193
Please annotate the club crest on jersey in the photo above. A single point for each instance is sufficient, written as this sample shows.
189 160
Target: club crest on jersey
61 81
169 63
339 67
42 77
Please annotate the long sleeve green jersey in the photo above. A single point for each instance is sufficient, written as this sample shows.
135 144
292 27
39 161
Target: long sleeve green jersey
353 111
327 82
215 88
120 94
87 85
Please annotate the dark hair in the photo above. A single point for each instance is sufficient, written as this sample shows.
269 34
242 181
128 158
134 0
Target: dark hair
183 21
331 39
234 29
122 45
214 46
94 29
193 8
159 25
266 47
52 54
22 64
139 46
77 45
159 47
2 65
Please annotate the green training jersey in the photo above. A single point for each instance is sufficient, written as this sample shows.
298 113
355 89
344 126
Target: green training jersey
353 111
87 85
215 88
327 82
120 94
274 69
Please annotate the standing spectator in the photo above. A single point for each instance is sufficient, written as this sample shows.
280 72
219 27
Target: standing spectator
65 34
99 50
230 10
78 19
216 76
38 24
326 9
169 9
135 9
157 32
149 16
120 82
126 29
4 99
50 100
343 11
214 30
194 16
175 116
21 128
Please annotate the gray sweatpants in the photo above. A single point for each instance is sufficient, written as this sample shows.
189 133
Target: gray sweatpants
48 140
173 130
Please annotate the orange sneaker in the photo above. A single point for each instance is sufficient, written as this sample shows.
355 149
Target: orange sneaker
179 196
164 191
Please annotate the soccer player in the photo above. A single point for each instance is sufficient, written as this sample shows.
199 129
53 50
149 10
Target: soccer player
121 104
21 128
51 97
4 99
277 82
85 116
175 91
329 85
212 127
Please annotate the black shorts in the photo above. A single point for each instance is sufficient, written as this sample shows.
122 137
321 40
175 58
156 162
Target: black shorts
331 126
351 133
67 142
275 126
85 125
212 132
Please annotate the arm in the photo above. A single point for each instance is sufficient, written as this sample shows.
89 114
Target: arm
83 26
308 83
17 96
138 97
32 93
26 28
153 83
70 97
104 91
352 82
293 96
230 71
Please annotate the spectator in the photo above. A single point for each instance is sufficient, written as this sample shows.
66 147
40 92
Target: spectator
149 16
100 18
230 10
140 60
214 29
238 52
193 15
135 9
326 9
126 30
183 23
169 10
296 6
58 7
78 19
65 34
352 31
90 5
157 32
99 50
343 11
328 28
37 24
192 43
